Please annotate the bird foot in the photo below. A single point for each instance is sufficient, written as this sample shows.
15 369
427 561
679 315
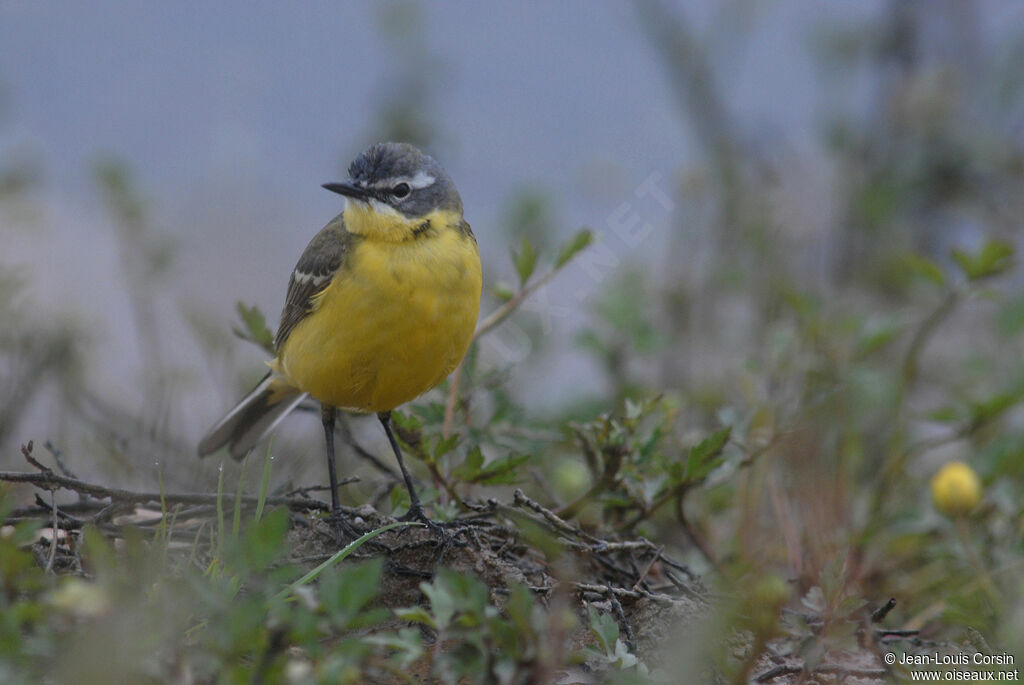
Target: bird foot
416 513
343 529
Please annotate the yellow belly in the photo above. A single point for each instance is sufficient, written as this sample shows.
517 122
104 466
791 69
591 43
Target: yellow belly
396 320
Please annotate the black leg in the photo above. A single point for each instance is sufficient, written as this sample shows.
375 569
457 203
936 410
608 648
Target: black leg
327 415
415 506
342 526
415 512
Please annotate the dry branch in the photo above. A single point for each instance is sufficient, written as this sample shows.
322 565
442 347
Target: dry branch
50 480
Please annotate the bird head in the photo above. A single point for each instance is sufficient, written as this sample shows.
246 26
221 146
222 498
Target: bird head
394 190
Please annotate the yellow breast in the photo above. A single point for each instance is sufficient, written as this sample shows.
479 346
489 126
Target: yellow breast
394 322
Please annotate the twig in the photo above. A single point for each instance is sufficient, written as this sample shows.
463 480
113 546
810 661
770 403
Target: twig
505 310
647 568
53 509
58 457
107 512
62 524
346 434
879 614
923 333
49 479
604 590
304 492
648 511
628 575
698 540
775 672
572 508
603 546
26 451
598 547
67 509
626 627
451 401
520 499
885 635
898 454
669 561
492 320
541 481
53 534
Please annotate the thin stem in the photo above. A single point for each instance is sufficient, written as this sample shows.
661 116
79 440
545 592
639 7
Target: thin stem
488 324
51 480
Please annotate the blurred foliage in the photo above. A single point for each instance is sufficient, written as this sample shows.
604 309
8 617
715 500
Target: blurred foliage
530 217
776 401
38 355
405 109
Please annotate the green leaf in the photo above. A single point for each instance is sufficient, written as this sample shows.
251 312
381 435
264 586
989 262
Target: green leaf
468 592
813 652
400 501
520 608
924 268
815 600
263 541
850 606
445 445
417 615
502 291
705 456
634 410
876 339
442 596
254 327
946 414
832 579
502 470
570 249
604 628
994 406
994 257
346 590
407 642
499 471
468 470
1011 316
525 261
409 422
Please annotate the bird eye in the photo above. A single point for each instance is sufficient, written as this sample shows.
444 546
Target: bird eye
401 190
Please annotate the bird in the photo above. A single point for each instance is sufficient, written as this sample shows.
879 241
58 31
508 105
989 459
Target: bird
380 308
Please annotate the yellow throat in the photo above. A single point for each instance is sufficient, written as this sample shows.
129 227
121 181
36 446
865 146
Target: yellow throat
397 317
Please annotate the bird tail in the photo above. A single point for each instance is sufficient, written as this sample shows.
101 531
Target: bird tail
253 418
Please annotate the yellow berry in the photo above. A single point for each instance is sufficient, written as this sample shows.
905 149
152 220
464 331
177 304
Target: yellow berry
956 489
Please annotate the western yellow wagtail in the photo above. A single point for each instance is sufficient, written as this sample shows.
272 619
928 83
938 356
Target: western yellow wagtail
380 308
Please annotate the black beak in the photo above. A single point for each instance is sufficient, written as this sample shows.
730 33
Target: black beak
348 190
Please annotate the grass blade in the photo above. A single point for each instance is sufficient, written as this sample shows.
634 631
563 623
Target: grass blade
265 483
220 510
236 524
340 555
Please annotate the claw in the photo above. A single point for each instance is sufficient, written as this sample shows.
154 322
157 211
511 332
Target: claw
342 527
416 513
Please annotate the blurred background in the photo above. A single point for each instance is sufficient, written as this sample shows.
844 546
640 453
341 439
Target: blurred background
805 215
